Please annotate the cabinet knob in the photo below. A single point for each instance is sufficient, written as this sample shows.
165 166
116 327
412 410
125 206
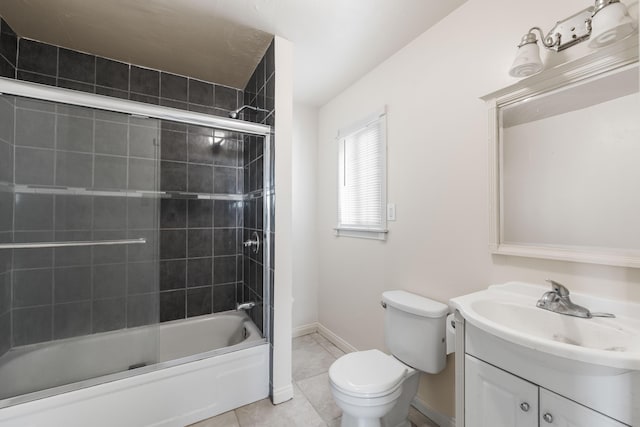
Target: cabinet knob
548 417
524 406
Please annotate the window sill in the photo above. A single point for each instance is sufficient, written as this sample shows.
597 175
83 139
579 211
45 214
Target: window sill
361 234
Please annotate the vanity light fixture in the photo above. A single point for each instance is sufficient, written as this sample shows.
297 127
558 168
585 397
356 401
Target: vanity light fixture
605 23
610 22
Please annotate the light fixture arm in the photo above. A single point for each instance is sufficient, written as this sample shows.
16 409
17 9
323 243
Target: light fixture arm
565 33
548 41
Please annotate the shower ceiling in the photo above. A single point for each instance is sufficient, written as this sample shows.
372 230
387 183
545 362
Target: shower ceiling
335 41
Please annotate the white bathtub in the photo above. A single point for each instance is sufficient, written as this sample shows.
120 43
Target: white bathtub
205 366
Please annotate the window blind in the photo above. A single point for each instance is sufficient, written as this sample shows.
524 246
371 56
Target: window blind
362 178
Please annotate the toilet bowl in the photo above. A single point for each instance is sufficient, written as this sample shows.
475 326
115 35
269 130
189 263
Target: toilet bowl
366 385
374 389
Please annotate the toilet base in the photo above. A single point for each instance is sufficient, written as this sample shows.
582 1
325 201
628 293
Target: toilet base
398 416
349 421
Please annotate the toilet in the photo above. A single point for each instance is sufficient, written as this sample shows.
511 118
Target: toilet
374 389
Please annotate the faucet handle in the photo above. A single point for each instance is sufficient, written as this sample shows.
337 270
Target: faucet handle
558 288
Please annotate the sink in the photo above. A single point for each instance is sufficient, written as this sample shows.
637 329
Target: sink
509 312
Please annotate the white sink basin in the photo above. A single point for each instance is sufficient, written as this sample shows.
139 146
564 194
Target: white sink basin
509 312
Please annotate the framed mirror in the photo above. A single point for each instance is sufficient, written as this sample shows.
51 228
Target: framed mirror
565 163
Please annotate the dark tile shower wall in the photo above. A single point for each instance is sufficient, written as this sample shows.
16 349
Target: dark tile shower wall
189 164
64 292
6 219
200 238
8 56
253 223
8 50
260 93
56 66
185 167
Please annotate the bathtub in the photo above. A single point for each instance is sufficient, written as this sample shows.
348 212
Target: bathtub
168 375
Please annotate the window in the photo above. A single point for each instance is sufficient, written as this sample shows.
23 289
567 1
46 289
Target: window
362 181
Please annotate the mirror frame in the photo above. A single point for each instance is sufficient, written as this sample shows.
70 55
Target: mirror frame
600 62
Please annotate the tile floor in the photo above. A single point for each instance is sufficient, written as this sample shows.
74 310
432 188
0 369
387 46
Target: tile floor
312 404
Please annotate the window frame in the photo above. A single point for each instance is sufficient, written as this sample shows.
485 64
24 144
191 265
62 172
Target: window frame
379 231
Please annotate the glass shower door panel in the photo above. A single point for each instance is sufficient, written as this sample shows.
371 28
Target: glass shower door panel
255 258
7 108
81 211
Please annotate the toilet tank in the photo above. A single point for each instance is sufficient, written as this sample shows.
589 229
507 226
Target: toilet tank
415 330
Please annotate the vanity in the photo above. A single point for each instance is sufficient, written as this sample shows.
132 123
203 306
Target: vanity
563 175
518 365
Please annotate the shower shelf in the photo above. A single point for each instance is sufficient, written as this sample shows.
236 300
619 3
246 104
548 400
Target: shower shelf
72 244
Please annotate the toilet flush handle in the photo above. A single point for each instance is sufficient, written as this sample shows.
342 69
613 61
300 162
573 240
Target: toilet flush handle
383 304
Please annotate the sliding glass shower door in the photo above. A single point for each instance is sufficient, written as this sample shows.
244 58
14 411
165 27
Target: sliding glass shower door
79 243
114 229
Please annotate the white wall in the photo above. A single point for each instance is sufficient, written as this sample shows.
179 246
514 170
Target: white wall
305 253
438 177
282 387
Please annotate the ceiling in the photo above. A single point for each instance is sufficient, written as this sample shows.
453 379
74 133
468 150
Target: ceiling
335 41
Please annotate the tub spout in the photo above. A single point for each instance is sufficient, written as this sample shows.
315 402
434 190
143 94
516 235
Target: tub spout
245 306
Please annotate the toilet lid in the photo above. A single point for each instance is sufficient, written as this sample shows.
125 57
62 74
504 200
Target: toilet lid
367 372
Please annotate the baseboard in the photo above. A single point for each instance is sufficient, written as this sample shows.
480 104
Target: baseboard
325 332
441 419
282 394
335 339
299 331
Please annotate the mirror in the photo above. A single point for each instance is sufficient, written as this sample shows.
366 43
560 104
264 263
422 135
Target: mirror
565 165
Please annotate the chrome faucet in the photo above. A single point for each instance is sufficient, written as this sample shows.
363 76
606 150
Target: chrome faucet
245 305
558 301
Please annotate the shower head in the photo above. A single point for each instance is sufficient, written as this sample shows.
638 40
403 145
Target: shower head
234 114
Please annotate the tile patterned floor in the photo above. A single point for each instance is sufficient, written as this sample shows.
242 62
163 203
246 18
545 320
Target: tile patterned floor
312 404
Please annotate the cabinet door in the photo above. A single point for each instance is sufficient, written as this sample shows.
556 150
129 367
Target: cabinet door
558 411
495 398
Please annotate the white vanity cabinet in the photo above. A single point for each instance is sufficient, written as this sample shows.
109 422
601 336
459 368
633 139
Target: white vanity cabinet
496 398
518 365
556 410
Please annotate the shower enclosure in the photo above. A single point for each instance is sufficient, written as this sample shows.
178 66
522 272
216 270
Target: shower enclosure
129 235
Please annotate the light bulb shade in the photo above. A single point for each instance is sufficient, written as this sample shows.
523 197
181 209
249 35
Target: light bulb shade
527 61
610 24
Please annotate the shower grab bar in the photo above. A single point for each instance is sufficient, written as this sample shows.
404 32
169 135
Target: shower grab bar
72 243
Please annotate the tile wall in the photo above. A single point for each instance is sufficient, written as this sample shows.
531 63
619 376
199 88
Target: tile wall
56 66
6 218
260 93
8 50
202 265
74 168
200 239
253 222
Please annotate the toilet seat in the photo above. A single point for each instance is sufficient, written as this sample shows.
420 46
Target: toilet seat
370 374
